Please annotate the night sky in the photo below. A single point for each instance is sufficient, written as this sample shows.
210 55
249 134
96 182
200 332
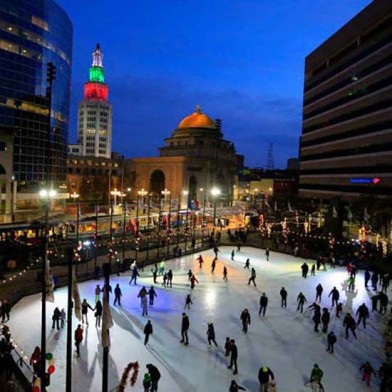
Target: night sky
241 60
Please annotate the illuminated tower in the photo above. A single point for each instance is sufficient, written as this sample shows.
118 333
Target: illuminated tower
95 113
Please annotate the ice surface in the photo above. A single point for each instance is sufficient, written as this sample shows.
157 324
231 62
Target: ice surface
283 340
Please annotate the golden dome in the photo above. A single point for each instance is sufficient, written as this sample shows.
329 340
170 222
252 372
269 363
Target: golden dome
197 120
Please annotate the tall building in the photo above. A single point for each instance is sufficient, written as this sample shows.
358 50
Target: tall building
95 113
32 34
346 142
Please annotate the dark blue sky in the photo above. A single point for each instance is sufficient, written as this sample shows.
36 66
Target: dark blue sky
241 60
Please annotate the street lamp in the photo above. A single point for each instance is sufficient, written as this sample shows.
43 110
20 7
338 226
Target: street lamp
116 193
166 193
46 195
215 192
186 194
74 196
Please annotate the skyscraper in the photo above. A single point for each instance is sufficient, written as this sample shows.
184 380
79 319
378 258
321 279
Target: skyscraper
95 113
32 34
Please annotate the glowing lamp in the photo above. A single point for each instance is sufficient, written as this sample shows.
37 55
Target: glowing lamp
51 369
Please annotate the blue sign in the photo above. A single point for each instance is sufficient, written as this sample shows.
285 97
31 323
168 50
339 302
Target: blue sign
365 180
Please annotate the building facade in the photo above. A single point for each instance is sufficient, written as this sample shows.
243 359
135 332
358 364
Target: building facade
95 113
346 142
195 159
33 34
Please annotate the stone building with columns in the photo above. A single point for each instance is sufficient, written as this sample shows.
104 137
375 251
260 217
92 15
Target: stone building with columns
194 159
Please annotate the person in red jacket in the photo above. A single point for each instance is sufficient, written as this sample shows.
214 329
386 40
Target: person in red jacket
78 338
193 280
367 370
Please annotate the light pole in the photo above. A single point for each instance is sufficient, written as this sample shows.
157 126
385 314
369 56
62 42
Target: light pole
215 192
204 206
166 193
46 195
116 193
186 194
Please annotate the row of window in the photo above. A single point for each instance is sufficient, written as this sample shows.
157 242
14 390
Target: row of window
87 171
374 190
379 169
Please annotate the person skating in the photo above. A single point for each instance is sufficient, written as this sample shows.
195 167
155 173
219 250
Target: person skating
325 318
305 269
367 277
232 254
301 299
374 279
375 298
144 306
162 267
188 302
170 278
98 313
147 331
316 376
155 376
164 279
142 294
147 382
151 294
313 270
265 376
283 297
117 295
245 319
211 334
331 339
134 275
227 346
155 273
319 292
85 307
56 318
200 260
225 273
234 387
267 253
193 281
351 283
383 302
367 370
216 250
97 293
247 264
63 318
363 313
335 296
213 265
78 338
316 315
252 277
350 324
233 356
184 329
263 304
339 309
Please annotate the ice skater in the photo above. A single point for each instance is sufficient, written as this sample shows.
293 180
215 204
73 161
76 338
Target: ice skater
56 318
252 277
193 281
316 315
301 299
325 320
227 346
85 307
98 292
201 261
155 376
305 269
265 376
211 334
117 295
263 304
247 263
213 264
63 318
350 325
232 254
78 339
245 319
335 296
367 370
134 275
234 387
225 274
319 292
188 302
267 254
162 267
283 297
233 356
331 339
98 313
147 331
363 313
170 278
184 329
151 294
154 273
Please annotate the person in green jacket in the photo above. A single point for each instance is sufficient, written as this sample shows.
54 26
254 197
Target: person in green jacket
315 378
147 382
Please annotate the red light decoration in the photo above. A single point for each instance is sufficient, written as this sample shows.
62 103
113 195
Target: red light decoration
51 369
96 91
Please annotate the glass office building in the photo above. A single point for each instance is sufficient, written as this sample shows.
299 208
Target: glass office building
33 33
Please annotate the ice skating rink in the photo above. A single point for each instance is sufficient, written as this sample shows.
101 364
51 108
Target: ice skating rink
283 340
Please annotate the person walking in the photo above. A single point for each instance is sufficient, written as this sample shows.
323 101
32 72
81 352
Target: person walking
305 269
170 278
233 356
263 304
247 263
188 302
316 315
367 370
267 253
147 331
193 281
117 295
252 277
363 313
213 264
319 292
35 360
63 318
301 299
151 294
335 296
5 311
56 318
245 319
78 338
316 376
331 339
98 313
283 297
225 273
184 329
211 334
85 307
325 318
350 324
155 376
265 376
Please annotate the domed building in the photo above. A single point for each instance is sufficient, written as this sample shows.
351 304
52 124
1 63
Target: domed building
195 159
